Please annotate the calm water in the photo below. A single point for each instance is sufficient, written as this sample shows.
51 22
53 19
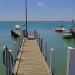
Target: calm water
46 30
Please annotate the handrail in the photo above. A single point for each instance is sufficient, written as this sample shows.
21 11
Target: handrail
5 49
7 60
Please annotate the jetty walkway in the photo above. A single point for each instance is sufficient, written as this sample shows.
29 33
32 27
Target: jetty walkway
32 61
28 56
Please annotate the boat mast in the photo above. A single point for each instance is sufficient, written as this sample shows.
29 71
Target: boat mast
26 17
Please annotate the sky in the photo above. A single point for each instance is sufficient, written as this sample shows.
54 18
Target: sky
38 10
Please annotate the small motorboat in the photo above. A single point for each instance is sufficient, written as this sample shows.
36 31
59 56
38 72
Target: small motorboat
60 29
67 34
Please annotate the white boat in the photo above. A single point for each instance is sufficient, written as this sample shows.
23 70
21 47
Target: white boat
60 29
67 34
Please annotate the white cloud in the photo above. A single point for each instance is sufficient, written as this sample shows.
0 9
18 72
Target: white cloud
41 4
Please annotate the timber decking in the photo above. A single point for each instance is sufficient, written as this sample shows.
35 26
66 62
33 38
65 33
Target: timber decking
32 61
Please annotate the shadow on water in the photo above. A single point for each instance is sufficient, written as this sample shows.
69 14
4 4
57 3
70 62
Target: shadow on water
69 42
58 33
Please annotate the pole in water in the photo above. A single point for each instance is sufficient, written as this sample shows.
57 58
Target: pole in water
26 17
70 61
52 61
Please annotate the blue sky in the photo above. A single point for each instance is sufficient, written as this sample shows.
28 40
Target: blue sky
38 10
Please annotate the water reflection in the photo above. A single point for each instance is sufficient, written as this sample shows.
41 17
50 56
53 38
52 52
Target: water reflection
69 42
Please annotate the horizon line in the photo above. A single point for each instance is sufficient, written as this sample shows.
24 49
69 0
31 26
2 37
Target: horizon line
38 20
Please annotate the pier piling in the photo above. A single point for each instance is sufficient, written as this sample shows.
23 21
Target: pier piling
52 61
45 53
15 51
70 61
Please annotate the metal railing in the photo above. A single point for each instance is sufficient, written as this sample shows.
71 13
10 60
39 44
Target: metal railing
30 33
42 44
43 48
8 60
17 46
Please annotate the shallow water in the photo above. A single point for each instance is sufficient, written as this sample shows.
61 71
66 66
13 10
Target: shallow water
46 30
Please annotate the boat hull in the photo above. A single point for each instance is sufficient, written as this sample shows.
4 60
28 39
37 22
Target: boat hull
58 30
67 34
14 34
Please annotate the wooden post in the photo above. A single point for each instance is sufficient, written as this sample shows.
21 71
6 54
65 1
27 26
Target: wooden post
52 61
21 39
41 44
35 34
70 61
45 51
7 62
10 64
18 45
15 51
39 40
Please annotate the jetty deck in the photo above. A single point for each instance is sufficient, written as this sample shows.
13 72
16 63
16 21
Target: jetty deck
32 62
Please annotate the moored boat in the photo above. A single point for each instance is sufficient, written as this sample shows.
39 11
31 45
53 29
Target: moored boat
60 29
67 34
16 32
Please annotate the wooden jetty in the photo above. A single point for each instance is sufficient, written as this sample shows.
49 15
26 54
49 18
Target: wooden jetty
31 61
28 58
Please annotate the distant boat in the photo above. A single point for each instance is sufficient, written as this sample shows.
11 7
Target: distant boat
60 29
15 33
67 34
23 25
72 29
